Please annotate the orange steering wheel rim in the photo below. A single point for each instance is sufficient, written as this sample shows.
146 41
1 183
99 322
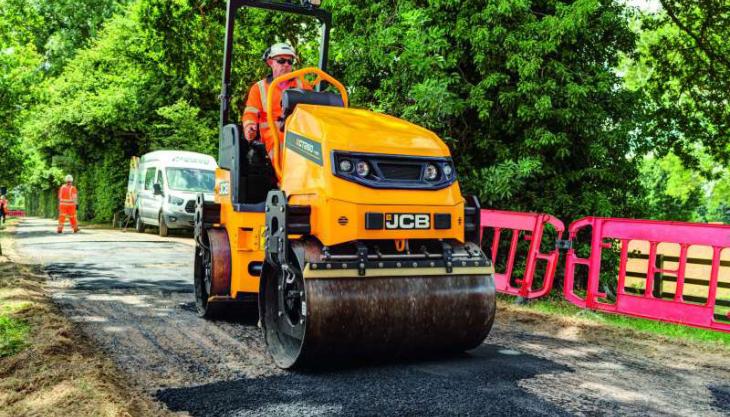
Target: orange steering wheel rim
321 76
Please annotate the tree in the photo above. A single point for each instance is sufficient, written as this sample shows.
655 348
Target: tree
524 92
684 72
57 29
673 192
19 73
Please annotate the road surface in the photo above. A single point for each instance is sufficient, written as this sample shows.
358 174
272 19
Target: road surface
132 294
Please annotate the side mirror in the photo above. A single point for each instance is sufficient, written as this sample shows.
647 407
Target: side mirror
229 143
157 189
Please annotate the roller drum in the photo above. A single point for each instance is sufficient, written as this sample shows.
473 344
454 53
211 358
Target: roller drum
374 316
397 316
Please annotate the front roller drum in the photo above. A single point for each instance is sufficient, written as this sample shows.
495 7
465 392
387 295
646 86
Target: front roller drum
308 320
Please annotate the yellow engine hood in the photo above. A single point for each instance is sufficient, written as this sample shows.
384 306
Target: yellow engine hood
357 130
313 133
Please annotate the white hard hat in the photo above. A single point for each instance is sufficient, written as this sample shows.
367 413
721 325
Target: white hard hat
280 49
69 178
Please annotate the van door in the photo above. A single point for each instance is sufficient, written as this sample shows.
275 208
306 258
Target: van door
158 200
147 193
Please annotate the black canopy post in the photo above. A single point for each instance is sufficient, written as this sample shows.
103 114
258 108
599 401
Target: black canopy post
286 6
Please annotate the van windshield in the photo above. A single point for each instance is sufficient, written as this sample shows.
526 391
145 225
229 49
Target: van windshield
190 179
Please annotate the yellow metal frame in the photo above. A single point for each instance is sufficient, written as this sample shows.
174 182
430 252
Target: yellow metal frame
321 76
338 206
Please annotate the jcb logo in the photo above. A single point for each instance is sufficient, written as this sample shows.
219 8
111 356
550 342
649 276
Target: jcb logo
407 221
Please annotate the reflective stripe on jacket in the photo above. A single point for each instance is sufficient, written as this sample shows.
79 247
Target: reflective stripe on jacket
255 110
67 194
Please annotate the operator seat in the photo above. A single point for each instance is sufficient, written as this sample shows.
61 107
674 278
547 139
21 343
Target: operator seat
252 175
291 97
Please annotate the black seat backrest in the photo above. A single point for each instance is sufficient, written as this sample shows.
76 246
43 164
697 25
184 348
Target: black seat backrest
293 96
260 178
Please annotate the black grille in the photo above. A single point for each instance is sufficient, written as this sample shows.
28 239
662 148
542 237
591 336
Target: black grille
190 206
400 171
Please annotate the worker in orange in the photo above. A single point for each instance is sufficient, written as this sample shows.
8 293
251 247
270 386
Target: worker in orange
280 58
3 208
67 200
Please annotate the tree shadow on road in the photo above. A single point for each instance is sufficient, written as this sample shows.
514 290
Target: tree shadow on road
721 394
482 382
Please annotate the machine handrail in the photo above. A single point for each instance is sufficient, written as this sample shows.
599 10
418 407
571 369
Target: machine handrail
276 161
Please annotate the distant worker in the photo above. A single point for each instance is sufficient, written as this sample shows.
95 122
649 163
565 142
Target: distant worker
3 208
280 57
67 200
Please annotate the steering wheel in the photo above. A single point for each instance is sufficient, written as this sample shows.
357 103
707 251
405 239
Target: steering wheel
321 76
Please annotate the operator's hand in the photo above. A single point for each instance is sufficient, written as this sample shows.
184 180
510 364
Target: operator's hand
280 124
249 132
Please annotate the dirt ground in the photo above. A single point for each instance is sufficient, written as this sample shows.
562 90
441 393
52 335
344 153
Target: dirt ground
132 295
60 373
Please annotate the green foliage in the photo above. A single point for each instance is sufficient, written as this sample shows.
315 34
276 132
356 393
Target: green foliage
18 74
683 70
108 104
523 92
55 28
673 192
717 208
181 129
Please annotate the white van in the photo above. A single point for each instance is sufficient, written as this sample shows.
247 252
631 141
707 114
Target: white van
163 186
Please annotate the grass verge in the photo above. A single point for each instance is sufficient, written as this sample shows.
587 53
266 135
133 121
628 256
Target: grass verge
47 367
13 335
560 307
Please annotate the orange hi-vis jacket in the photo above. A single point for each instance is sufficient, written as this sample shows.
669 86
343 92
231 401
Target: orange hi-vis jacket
67 199
255 111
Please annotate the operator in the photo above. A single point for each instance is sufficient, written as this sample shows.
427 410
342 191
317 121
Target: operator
280 57
67 200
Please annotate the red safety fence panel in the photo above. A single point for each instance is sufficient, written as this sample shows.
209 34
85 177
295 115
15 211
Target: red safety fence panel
673 308
534 225
15 213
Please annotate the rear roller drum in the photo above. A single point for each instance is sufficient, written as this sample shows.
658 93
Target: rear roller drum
211 272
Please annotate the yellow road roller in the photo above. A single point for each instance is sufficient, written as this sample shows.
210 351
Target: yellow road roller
353 237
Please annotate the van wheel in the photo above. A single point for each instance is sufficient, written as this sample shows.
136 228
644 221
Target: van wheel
139 224
164 230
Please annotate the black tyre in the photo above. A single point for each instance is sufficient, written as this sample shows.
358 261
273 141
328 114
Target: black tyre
138 224
283 318
203 282
164 230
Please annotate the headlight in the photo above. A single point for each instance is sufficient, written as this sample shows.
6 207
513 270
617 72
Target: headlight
448 170
431 172
362 169
345 165
175 200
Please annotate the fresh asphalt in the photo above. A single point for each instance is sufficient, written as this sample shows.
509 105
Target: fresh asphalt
132 293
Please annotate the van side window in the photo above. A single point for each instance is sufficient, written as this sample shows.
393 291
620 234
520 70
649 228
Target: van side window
149 177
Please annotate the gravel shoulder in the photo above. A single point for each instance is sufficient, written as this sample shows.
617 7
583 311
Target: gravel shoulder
132 295
56 370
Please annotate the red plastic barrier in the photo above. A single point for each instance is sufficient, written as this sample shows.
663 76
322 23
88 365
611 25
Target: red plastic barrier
534 223
646 305
15 213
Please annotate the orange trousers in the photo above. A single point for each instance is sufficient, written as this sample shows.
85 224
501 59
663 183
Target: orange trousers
67 210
